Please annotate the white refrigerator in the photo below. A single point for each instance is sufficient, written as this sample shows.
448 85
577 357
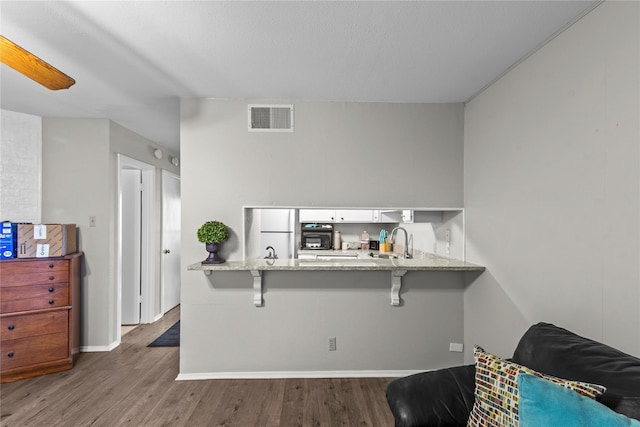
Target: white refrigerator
277 230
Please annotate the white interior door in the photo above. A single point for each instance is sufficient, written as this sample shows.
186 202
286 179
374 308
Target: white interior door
131 254
170 241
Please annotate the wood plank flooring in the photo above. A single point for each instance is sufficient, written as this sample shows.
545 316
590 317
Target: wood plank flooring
134 385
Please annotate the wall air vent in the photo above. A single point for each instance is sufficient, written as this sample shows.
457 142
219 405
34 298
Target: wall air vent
271 118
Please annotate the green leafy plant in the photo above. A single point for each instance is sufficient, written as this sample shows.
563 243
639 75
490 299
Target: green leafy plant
213 232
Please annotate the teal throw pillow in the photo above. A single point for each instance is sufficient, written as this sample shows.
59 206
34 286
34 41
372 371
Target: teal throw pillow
543 403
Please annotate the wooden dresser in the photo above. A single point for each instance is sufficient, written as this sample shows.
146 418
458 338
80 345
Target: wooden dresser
39 315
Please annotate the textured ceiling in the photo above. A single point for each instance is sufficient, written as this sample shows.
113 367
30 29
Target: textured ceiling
134 60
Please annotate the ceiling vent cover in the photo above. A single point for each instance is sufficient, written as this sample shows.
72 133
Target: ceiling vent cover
271 118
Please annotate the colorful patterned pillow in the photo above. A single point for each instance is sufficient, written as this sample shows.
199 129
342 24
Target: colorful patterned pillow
496 392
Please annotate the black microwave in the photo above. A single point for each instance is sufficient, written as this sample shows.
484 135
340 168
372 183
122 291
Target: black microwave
316 236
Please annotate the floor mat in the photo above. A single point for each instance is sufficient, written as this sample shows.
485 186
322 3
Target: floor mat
170 337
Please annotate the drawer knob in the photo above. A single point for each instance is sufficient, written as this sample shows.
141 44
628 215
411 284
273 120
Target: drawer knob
11 327
51 289
50 302
50 265
10 354
50 277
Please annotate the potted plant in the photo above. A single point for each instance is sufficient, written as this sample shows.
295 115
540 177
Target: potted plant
212 234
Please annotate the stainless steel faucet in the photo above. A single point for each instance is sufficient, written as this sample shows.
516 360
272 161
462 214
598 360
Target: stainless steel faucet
407 255
272 253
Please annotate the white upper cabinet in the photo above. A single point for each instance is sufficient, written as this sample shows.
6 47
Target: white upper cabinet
337 215
317 215
365 216
354 215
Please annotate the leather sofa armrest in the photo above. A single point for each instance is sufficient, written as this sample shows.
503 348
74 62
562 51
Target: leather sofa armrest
433 399
625 405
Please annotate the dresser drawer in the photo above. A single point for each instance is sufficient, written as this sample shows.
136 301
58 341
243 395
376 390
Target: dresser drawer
33 350
35 297
32 325
32 272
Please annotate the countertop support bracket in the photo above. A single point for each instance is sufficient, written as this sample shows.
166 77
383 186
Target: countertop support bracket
396 284
257 287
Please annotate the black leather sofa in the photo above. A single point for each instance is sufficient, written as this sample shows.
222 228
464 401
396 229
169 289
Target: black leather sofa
445 397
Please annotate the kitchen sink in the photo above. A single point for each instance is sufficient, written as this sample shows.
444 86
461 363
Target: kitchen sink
338 263
337 257
390 256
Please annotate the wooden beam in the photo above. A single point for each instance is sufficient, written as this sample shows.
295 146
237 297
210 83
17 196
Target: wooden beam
33 67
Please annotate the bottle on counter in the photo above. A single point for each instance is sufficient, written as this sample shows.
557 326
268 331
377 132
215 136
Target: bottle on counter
364 241
336 240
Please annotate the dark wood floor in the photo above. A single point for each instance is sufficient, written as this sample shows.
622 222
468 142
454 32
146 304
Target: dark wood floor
134 385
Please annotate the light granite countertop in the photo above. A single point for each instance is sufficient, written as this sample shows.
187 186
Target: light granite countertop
342 261
423 262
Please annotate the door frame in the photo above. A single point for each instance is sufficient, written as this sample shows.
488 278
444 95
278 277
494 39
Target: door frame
147 261
163 245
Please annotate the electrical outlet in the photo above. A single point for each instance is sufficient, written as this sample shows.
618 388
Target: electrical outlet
332 343
456 347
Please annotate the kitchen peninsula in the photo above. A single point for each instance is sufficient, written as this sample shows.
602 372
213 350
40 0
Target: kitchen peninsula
262 224
281 301
342 261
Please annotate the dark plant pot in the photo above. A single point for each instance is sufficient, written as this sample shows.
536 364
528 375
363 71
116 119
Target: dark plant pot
213 257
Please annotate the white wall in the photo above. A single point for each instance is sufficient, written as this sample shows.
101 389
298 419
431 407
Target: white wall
79 180
134 146
20 162
552 189
342 155
75 174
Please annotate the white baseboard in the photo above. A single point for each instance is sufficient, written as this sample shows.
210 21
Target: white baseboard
98 348
292 374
